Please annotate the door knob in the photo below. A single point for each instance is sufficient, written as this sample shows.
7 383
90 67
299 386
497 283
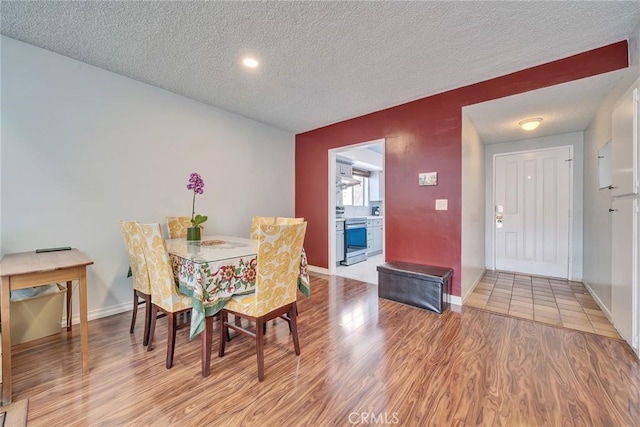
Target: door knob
612 210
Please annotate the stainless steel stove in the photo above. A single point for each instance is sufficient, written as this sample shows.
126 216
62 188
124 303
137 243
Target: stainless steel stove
355 240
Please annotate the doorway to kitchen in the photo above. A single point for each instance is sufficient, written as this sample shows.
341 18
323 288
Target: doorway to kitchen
356 210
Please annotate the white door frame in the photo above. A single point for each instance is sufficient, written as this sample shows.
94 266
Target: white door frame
571 209
331 183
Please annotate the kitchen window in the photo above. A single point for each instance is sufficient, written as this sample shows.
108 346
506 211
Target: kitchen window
358 195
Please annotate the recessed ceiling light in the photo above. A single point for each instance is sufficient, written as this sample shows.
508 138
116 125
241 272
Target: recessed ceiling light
530 124
250 62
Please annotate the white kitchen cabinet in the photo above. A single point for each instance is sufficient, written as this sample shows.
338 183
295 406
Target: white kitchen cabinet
343 169
375 186
624 140
377 239
339 241
623 272
625 226
374 236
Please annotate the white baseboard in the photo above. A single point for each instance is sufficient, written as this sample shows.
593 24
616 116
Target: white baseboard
320 270
607 313
475 283
604 308
455 300
99 313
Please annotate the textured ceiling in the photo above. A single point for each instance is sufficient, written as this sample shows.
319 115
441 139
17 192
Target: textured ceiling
321 62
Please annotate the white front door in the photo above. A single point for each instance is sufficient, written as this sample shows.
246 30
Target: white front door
532 192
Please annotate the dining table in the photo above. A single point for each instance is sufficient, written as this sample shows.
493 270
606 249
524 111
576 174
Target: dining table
212 270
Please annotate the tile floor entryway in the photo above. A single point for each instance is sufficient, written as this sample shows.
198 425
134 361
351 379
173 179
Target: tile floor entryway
547 300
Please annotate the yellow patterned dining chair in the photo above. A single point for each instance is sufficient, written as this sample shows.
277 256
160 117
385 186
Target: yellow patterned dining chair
164 292
278 265
140 276
288 221
257 221
177 226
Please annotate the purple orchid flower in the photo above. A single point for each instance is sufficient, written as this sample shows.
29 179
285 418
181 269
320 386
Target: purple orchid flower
196 183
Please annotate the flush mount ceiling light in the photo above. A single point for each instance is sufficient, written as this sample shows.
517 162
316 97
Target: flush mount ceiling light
250 62
530 124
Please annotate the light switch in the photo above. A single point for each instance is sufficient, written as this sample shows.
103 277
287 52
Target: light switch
441 204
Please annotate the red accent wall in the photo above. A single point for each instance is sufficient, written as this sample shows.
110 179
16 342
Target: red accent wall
422 136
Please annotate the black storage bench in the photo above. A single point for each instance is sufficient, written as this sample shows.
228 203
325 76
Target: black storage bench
422 286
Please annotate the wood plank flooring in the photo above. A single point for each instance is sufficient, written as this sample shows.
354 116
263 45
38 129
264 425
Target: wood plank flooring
364 361
553 301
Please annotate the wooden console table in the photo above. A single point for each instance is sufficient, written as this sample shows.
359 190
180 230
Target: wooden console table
27 269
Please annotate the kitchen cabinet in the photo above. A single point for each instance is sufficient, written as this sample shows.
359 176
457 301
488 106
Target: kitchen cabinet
625 144
375 186
625 221
623 271
339 241
377 239
343 169
374 236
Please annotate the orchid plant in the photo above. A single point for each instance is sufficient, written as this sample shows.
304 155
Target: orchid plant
197 185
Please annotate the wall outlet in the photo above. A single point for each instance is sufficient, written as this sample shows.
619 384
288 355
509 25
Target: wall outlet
441 204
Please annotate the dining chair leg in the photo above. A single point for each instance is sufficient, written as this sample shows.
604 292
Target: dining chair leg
152 326
183 317
224 332
260 347
287 317
147 319
217 317
172 318
293 324
290 331
135 311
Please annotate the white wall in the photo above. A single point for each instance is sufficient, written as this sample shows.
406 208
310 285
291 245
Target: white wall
83 147
473 207
574 139
597 218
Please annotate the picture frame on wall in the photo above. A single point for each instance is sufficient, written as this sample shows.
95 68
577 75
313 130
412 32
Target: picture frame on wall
428 178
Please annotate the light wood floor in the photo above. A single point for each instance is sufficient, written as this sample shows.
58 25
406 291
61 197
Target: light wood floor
363 359
553 301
